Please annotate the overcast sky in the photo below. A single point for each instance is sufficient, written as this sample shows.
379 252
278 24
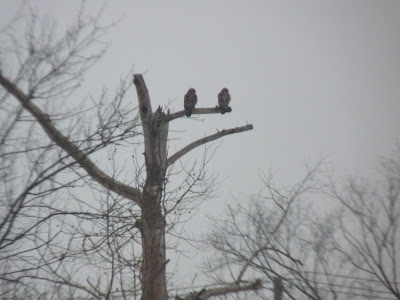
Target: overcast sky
315 78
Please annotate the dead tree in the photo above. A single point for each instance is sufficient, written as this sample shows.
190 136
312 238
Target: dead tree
38 69
155 131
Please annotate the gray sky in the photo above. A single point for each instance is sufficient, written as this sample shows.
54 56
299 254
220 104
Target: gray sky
315 78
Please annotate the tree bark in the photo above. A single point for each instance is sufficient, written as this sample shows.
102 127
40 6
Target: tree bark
155 131
154 284
278 288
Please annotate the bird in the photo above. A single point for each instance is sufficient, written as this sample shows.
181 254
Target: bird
190 101
223 100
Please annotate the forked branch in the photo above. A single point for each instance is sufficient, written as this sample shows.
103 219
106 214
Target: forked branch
64 143
204 140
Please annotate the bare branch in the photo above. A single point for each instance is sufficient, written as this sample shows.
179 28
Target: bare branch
63 142
146 112
229 289
204 140
198 111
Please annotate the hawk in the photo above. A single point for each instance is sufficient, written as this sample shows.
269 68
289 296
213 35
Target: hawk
190 101
223 100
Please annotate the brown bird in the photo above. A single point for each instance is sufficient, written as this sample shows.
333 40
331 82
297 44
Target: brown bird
223 100
190 101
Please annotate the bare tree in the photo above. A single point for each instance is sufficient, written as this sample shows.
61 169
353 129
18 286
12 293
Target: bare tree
57 238
369 227
349 252
264 238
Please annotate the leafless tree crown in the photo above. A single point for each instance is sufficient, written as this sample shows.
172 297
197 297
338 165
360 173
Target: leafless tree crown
74 224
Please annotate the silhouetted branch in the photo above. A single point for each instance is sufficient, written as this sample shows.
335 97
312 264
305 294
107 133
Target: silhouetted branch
63 142
204 140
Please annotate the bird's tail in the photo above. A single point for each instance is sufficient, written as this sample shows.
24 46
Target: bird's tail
188 112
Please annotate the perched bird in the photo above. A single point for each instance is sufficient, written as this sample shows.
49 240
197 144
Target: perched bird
223 100
190 101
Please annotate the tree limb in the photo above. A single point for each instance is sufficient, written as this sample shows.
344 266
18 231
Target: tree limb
198 111
146 112
204 140
64 143
229 289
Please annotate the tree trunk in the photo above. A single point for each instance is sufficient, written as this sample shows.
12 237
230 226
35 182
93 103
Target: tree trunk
278 288
152 226
154 285
153 244
155 131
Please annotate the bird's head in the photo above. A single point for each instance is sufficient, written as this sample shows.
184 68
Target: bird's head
192 91
224 90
